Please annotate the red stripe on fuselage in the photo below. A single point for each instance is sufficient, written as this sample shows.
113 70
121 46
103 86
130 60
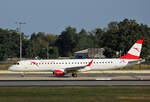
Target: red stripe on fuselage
90 63
129 56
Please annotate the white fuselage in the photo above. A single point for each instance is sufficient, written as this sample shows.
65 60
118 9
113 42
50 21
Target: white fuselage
51 65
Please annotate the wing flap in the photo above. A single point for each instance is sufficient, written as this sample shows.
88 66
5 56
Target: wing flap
74 69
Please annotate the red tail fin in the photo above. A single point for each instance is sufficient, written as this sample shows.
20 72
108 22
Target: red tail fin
134 52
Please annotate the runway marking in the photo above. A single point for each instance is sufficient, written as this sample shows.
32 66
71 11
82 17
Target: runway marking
103 79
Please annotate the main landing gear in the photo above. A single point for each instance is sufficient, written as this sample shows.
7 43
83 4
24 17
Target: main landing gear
74 74
22 74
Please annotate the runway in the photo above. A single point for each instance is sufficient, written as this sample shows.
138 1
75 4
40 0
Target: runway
27 83
120 78
81 76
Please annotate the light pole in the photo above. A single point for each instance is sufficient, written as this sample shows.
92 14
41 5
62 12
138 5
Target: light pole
19 30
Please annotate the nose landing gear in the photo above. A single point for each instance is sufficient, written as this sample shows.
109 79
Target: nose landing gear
22 74
74 74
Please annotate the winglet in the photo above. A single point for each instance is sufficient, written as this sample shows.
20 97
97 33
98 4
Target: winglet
90 63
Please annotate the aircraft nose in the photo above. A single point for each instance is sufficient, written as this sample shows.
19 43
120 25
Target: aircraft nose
10 68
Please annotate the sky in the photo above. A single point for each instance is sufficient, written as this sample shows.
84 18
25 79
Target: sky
53 16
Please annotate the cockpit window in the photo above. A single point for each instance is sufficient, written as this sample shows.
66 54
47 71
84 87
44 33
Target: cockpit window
17 63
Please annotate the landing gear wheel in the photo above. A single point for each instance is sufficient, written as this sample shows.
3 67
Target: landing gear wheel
53 74
22 74
74 74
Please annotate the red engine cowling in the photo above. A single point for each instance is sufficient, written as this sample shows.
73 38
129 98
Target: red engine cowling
59 72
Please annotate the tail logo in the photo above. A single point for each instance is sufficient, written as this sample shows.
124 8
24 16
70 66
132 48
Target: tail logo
35 63
136 49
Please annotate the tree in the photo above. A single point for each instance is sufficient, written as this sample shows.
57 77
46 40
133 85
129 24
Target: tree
40 44
54 53
117 37
9 44
66 42
82 40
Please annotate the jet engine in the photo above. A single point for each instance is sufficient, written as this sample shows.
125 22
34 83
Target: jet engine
59 72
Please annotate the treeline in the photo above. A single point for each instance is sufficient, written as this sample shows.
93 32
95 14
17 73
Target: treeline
117 37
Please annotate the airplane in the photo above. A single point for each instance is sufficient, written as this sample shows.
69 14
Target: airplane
61 67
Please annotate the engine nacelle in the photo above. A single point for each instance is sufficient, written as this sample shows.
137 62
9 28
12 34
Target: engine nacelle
59 72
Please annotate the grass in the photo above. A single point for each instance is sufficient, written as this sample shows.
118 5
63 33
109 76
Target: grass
74 94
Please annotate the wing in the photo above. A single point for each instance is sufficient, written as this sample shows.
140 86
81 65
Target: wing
75 69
